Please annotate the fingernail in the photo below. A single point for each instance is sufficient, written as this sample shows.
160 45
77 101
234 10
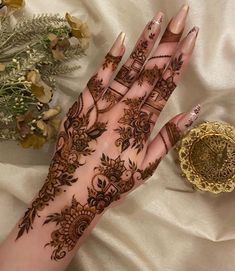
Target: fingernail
189 41
117 47
177 24
153 27
188 119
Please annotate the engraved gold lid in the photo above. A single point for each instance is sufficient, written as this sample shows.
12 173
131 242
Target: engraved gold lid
207 157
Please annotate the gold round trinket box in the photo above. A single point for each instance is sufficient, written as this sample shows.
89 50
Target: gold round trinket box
207 157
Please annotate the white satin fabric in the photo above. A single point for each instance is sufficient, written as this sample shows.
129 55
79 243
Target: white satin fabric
165 225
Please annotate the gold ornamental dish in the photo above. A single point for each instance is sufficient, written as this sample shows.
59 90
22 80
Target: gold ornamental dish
207 157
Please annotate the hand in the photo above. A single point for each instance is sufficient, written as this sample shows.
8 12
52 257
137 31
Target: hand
103 150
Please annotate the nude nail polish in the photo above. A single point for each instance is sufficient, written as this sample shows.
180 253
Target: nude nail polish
177 23
117 47
158 18
188 119
189 42
153 27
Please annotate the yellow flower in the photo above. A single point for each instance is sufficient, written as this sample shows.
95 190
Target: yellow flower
58 46
13 3
33 140
49 124
39 88
79 29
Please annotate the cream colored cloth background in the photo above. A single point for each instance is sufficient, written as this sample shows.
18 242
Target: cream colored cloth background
164 225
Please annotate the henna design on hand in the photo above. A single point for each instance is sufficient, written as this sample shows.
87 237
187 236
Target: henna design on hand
72 222
113 60
112 179
136 126
72 145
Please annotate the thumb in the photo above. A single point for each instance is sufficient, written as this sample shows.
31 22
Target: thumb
168 136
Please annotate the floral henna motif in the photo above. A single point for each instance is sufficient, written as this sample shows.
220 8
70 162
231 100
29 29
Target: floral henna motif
112 179
139 55
149 170
150 75
73 144
95 87
164 87
72 222
111 96
113 60
136 126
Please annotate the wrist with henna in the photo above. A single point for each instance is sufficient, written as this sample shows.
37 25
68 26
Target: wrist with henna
111 179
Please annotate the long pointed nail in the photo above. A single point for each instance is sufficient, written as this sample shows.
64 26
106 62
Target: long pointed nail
154 26
118 45
188 119
177 23
189 41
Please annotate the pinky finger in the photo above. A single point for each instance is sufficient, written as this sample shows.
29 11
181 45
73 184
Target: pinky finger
168 136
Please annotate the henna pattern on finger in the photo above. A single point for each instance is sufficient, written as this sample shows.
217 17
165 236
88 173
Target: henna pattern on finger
125 76
168 36
96 87
150 75
164 87
135 126
73 144
160 56
111 97
139 56
173 134
149 170
113 60
129 72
